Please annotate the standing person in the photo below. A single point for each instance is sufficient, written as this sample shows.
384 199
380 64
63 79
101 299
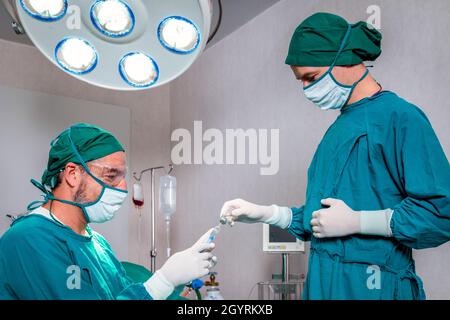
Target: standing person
379 183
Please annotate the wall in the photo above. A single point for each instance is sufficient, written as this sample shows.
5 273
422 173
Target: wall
24 67
242 82
28 124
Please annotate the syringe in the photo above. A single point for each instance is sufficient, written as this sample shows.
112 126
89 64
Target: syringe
211 238
214 233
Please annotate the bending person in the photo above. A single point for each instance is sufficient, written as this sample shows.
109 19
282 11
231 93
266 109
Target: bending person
84 182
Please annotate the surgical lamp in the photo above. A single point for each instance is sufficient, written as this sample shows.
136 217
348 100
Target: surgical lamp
117 44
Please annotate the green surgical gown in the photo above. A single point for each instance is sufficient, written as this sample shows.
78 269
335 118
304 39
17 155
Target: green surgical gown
42 259
380 153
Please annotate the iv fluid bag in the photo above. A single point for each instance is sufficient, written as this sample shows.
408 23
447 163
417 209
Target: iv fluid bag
167 195
138 195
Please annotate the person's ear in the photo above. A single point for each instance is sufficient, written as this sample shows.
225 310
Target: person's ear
72 175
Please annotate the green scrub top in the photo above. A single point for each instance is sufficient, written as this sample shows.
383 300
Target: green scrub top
42 259
380 153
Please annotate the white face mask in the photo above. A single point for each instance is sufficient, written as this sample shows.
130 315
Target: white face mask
107 205
327 93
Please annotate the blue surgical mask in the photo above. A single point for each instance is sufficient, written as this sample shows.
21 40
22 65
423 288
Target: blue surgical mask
102 210
327 93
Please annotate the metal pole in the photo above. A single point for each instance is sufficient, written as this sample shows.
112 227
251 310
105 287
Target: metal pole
153 246
285 276
286 267
153 252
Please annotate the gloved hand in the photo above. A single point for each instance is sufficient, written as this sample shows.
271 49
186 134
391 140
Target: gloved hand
182 268
336 221
247 212
339 220
244 211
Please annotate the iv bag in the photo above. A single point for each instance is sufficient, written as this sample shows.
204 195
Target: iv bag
138 195
167 195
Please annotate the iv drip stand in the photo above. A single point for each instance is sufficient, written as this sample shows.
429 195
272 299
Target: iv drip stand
153 252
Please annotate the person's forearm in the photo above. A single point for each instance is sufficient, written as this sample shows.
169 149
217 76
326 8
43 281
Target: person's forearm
158 287
281 217
376 223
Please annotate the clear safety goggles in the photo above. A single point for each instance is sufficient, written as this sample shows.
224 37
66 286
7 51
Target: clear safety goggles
109 175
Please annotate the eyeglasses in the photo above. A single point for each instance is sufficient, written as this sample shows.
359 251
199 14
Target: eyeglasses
111 176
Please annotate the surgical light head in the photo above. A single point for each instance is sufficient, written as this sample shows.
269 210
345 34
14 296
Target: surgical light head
117 44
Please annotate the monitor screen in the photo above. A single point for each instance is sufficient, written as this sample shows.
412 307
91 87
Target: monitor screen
279 235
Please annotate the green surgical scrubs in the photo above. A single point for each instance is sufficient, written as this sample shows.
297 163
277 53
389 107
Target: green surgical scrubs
380 153
42 259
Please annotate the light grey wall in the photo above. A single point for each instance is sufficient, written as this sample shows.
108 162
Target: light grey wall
236 13
24 67
242 82
29 121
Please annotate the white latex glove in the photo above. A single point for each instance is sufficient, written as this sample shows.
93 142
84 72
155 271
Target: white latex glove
247 212
336 221
182 268
339 220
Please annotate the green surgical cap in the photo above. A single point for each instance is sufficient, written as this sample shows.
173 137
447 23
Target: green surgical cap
317 40
91 143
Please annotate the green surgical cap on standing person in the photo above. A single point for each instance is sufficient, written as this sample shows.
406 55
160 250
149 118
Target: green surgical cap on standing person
91 143
317 40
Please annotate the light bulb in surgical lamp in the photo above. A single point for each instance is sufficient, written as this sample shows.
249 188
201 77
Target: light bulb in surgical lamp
139 70
45 10
76 55
113 18
179 35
